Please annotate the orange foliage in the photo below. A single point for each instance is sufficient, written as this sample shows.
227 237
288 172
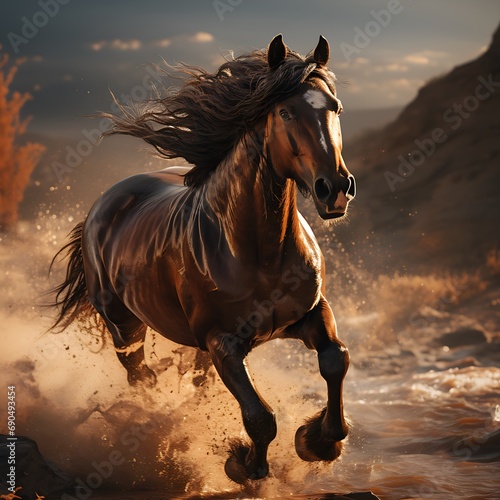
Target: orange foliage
16 162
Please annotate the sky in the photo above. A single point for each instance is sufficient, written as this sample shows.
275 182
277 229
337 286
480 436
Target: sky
382 50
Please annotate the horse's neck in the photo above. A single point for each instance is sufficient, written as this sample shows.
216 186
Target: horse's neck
258 213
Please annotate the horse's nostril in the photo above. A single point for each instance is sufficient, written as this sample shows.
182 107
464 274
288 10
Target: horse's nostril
352 187
323 189
344 184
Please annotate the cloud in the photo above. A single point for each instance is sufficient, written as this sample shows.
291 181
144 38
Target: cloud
97 46
126 44
164 42
424 57
401 83
134 44
361 60
417 59
117 44
391 67
201 37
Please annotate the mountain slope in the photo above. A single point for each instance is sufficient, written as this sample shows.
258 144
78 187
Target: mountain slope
429 181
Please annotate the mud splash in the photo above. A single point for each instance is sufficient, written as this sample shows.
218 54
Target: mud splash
425 415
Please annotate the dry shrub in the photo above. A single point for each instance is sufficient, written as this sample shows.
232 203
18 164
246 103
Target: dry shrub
399 298
16 161
493 262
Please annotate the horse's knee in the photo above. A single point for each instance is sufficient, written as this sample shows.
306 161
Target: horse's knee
260 423
333 361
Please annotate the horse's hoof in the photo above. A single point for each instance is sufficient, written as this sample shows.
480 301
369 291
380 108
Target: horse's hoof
311 451
236 467
301 446
235 470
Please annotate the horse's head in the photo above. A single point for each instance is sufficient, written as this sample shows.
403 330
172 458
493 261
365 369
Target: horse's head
305 141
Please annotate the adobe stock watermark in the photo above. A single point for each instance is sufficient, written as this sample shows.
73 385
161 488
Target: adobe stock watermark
264 309
448 297
50 348
372 29
76 154
463 449
454 118
223 6
31 27
106 295
130 441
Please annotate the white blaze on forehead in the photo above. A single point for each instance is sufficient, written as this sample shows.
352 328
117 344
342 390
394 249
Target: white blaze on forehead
315 98
322 139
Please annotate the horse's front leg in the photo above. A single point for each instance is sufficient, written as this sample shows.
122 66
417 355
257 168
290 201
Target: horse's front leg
246 461
321 436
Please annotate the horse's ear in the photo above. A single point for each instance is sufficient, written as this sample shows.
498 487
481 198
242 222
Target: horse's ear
276 52
322 51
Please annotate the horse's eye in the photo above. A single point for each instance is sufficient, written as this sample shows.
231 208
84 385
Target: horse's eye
285 115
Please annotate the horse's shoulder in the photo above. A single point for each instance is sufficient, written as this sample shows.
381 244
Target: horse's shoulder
308 236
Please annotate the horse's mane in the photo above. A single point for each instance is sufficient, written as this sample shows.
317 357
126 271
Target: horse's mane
210 113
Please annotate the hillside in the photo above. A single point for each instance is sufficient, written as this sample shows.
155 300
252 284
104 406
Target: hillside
428 181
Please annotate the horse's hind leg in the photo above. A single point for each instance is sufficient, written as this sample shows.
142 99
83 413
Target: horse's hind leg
321 437
246 462
128 333
129 347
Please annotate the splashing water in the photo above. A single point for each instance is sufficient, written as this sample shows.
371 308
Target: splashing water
425 420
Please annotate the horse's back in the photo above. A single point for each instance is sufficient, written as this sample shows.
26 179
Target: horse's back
133 196
127 229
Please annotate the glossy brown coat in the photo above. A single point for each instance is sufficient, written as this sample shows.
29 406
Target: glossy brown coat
229 263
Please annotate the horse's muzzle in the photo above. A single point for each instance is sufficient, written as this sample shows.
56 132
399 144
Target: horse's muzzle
332 203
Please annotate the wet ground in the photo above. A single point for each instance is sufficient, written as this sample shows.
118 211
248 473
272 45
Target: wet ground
422 396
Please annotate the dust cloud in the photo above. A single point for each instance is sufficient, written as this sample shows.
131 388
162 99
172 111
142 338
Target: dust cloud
424 411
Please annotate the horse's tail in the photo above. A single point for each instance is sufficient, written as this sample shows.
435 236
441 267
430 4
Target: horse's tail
71 296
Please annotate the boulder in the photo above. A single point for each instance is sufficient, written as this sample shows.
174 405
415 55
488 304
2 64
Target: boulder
35 476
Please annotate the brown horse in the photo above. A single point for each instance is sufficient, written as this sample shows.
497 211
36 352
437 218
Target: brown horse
217 256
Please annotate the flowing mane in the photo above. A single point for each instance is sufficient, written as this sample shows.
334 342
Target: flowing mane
210 113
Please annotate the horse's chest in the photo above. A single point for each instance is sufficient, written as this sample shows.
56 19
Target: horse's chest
283 301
